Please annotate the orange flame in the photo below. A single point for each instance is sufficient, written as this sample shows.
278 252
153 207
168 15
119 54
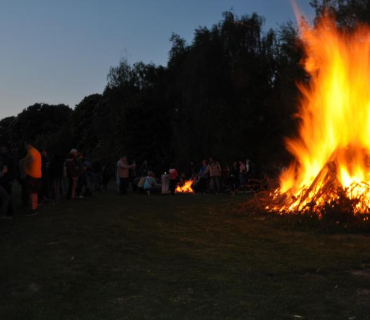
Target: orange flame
334 135
186 188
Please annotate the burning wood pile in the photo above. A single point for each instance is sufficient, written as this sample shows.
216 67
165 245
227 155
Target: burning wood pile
325 193
185 188
332 150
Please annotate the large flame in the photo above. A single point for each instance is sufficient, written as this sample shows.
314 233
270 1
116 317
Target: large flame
186 188
333 146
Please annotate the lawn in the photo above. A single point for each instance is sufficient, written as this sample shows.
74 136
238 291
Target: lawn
183 257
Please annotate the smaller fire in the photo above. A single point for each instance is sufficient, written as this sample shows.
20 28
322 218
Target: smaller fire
185 188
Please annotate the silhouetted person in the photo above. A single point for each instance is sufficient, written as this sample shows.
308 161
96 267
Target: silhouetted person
123 174
44 194
6 180
72 174
97 167
191 170
242 174
4 198
202 177
32 164
22 179
234 175
56 176
214 170
81 180
173 178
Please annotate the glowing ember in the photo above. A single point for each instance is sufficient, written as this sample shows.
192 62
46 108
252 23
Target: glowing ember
186 188
332 150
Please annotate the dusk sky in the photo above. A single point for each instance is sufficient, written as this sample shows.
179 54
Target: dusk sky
56 51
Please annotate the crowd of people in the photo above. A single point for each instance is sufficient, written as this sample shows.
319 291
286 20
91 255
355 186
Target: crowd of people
45 179
210 178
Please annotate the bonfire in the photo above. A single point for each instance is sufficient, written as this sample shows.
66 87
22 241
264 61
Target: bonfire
332 148
186 187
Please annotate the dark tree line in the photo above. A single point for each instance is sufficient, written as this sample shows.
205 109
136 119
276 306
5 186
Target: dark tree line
348 13
230 93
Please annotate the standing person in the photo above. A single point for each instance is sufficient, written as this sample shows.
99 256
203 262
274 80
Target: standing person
32 164
44 194
173 178
234 175
6 180
191 170
22 179
242 174
97 167
89 177
72 175
4 198
247 166
106 173
214 170
250 169
123 174
133 176
202 177
81 181
56 176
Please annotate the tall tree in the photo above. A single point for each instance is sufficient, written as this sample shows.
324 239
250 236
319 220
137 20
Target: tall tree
6 129
41 123
348 13
137 95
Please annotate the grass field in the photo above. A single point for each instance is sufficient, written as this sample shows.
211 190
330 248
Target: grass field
183 257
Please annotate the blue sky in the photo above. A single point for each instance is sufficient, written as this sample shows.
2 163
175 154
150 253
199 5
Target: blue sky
59 51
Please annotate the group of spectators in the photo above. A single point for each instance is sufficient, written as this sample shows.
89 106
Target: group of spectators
142 179
84 176
44 178
211 177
